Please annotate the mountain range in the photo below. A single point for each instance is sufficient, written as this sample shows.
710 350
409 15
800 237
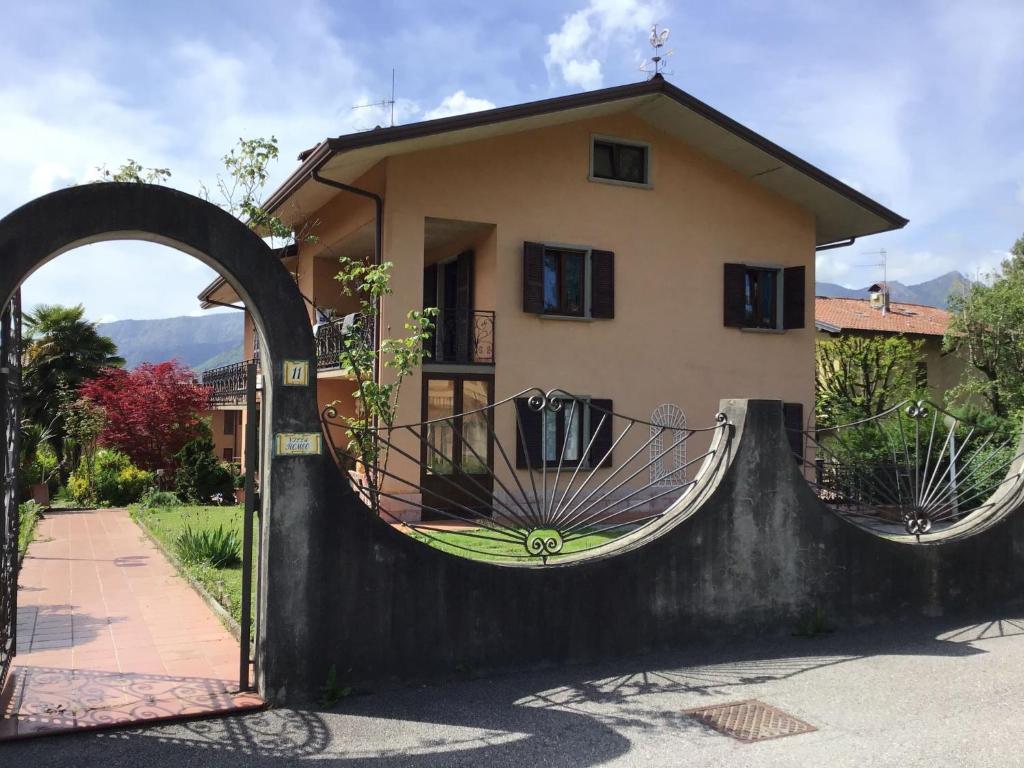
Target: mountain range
199 342
931 293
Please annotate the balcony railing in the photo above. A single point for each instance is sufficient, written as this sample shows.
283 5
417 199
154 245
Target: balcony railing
463 337
330 339
227 383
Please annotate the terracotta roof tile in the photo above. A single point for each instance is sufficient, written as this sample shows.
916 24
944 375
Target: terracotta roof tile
857 315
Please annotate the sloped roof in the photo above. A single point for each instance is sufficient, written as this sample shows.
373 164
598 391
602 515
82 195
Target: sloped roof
838 315
840 211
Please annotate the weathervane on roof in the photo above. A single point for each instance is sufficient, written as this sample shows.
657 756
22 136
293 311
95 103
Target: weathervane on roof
656 64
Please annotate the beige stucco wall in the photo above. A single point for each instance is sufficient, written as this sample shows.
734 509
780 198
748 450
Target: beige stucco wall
221 440
667 342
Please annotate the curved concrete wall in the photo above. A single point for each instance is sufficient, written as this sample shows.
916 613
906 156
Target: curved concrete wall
758 555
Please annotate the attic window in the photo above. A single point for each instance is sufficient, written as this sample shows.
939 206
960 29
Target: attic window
620 161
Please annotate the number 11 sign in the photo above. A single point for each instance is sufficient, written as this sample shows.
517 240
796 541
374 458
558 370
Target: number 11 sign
296 373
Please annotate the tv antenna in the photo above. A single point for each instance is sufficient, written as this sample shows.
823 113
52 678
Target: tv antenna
384 104
884 264
656 64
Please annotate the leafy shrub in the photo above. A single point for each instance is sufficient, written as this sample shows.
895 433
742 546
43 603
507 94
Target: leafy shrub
154 498
200 474
112 479
220 548
29 513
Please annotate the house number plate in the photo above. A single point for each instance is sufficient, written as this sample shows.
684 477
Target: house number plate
297 443
296 373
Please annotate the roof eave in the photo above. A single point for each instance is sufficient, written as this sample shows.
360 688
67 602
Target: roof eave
657 85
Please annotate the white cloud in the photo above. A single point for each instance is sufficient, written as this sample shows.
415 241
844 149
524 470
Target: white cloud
576 50
458 104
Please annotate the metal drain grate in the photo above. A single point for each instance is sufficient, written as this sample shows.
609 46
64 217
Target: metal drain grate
750 720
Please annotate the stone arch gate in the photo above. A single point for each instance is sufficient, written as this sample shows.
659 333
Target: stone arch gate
58 222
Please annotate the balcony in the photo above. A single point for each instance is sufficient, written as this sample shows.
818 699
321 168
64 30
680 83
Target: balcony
463 337
330 339
227 383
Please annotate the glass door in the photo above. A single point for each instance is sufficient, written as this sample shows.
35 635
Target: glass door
457 450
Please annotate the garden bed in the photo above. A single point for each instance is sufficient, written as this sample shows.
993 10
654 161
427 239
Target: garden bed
166 524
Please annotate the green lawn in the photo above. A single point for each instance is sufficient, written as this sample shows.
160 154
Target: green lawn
167 523
468 544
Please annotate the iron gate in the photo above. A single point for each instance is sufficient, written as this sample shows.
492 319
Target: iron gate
10 407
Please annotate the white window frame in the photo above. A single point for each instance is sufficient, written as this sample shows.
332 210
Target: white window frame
646 146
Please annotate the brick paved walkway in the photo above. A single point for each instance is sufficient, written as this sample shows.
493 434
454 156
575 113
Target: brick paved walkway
109 633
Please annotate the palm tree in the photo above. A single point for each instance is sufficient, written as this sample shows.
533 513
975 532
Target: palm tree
60 350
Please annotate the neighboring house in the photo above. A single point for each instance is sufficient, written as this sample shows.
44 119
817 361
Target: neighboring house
631 245
876 314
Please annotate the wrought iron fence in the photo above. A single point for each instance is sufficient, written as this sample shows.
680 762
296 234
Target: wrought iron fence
330 338
915 468
226 383
463 337
535 476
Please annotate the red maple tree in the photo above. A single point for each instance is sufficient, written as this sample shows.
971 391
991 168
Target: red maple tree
151 410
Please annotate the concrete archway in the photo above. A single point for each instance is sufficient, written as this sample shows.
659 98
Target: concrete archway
60 221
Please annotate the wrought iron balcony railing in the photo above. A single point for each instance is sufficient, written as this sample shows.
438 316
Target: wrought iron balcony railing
463 337
330 339
227 383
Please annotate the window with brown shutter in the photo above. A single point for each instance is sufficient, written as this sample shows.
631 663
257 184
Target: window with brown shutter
533 278
549 437
555 280
602 284
793 306
529 436
601 429
761 297
793 419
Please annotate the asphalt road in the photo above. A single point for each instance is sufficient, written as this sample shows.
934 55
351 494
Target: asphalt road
916 694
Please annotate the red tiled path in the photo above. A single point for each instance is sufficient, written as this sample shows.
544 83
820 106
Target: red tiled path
109 633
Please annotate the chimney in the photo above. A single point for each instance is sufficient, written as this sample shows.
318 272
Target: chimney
878 297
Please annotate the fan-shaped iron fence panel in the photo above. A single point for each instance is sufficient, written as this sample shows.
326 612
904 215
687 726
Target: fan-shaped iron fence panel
535 476
915 469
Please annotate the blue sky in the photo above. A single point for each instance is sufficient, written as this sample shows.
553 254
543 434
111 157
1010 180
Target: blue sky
918 104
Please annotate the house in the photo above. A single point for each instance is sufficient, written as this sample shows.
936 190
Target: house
876 314
631 245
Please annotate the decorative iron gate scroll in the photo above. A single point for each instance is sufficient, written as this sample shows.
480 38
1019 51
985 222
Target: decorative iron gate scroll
915 467
533 477
10 407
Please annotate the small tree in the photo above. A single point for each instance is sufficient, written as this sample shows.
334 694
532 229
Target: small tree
377 399
151 411
60 350
200 476
862 376
987 330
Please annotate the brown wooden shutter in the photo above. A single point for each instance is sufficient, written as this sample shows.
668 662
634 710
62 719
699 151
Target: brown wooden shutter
793 309
602 432
602 284
529 436
793 419
533 278
735 288
463 306
430 300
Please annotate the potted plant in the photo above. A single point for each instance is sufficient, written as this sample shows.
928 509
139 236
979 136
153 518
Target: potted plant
240 487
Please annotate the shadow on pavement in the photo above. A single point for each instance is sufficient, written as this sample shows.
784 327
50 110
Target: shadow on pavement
567 717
